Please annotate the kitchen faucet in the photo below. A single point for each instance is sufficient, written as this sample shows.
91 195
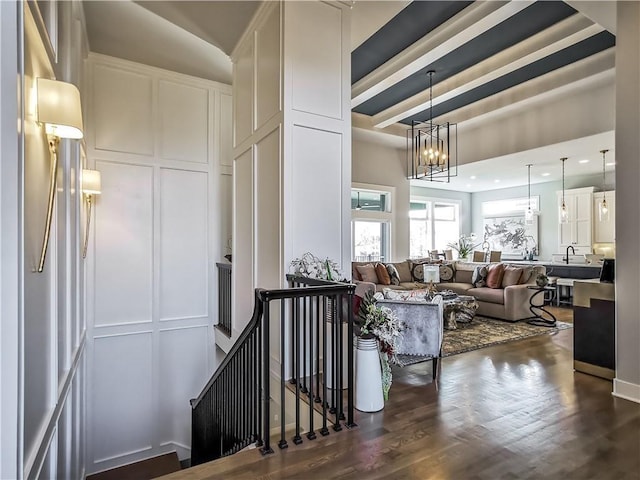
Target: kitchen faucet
573 251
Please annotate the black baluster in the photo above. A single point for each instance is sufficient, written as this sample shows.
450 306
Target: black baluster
311 435
297 439
350 365
265 378
324 431
283 441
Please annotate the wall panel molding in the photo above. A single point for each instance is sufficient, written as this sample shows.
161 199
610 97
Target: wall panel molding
175 202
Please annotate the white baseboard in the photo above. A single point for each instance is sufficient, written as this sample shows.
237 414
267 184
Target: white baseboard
626 390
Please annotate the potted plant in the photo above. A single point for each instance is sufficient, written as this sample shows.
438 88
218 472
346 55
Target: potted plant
542 280
310 266
382 325
464 246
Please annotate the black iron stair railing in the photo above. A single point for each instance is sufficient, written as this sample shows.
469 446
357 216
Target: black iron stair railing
234 408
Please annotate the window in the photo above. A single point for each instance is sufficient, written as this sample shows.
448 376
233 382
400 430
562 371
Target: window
370 224
433 224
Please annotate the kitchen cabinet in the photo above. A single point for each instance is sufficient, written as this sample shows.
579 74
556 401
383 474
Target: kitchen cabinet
577 231
604 231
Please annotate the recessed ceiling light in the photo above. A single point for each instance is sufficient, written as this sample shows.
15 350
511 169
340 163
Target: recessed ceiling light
610 164
545 174
496 181
472 177
583 161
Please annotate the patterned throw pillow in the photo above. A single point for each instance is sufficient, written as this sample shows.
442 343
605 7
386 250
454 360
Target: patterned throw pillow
494 277
368 273
405 295
383 275
417 272
393 274
446 272
479 276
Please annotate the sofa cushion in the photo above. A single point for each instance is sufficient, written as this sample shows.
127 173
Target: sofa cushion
479 276
489 295
393 274
511 276
404 273
446 272
383 275
494 277
464 272
368 273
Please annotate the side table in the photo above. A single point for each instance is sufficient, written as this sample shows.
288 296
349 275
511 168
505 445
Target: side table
542 317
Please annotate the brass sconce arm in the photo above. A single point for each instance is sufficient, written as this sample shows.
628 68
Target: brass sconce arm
54 142
91 185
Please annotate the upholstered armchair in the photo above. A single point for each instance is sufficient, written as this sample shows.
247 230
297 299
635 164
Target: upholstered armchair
424 327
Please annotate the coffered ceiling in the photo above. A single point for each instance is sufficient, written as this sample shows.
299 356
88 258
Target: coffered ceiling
487 56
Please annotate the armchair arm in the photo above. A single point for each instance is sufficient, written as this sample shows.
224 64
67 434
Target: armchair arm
363 287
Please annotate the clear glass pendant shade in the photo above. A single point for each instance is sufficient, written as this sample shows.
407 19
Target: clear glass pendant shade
603 210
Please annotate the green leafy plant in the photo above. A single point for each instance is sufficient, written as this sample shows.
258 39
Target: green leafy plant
465 245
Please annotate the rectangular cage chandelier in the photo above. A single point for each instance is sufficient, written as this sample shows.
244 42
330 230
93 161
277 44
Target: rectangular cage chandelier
432 149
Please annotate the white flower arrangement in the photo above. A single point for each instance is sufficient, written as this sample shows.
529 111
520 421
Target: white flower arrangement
313 267
386 327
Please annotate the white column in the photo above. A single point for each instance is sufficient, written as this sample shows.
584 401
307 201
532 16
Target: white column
627 154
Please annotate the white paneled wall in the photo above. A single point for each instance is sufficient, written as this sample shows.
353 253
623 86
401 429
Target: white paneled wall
162 142
292 145
43 436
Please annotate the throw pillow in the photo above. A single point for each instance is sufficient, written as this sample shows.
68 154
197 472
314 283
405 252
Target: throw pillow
383 275
494 275
393 274
479 276
511 276
526 275
368 273
355 275
417 272
446 272
403 272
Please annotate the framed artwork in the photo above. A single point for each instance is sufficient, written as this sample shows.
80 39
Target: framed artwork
509 234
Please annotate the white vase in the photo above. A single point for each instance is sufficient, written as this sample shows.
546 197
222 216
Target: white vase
368 376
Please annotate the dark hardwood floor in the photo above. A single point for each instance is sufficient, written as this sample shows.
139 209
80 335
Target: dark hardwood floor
513 411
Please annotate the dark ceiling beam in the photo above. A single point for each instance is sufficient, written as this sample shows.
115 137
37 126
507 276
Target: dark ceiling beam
458 30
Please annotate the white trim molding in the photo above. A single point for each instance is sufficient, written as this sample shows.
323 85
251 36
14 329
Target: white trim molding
627 390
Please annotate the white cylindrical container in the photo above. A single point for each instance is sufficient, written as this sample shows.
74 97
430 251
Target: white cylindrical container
368 376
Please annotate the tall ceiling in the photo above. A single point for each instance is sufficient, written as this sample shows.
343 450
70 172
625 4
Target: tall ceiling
486 55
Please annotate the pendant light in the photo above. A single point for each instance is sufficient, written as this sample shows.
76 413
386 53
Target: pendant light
603 207
564 213
528 215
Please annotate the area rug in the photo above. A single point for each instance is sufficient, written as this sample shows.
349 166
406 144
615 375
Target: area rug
485 332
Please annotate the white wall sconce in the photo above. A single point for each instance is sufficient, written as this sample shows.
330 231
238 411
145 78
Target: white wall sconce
59 110
91 185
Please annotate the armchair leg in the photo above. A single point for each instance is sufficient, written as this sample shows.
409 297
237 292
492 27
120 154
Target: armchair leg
434 367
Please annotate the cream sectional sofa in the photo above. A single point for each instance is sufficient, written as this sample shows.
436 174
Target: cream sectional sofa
507 303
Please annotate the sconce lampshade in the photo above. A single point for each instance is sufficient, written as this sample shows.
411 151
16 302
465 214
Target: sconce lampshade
59 108
91 184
